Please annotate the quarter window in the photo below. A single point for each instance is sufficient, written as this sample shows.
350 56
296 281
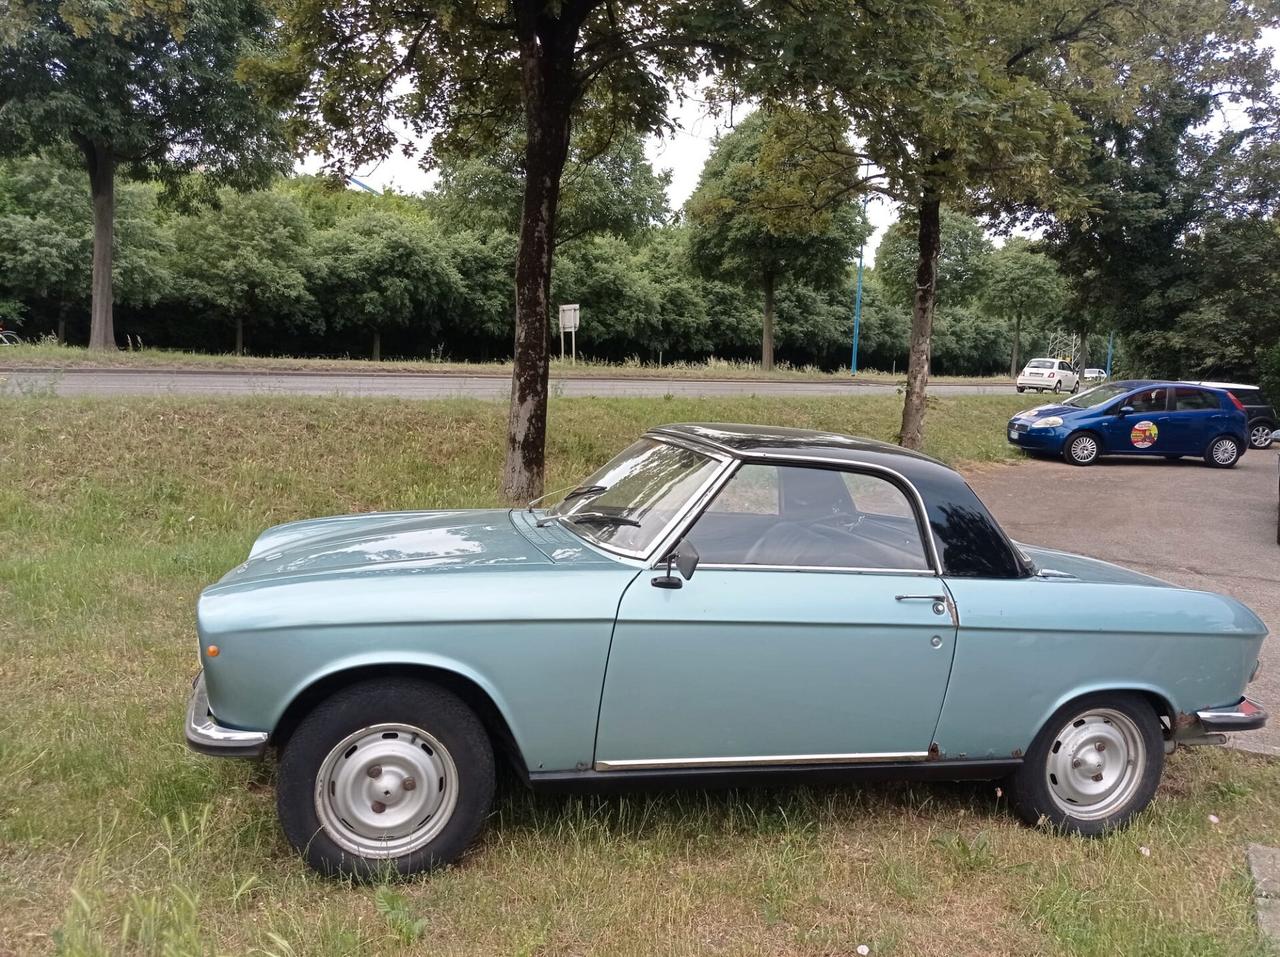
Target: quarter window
798 517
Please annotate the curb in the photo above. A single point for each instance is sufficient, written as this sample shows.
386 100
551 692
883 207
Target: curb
1264 868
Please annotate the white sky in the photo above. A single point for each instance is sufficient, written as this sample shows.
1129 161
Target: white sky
683 153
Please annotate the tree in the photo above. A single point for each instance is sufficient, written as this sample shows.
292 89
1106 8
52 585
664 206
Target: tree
245 260
46 241
470 75
378 270
740 230
1023 284
147 88
964 255
616 192
976 104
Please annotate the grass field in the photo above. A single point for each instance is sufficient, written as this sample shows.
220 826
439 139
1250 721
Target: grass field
114 839
49 355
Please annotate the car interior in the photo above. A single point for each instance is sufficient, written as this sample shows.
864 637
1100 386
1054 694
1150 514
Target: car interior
796 516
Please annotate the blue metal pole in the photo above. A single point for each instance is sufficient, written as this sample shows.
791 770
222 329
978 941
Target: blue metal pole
1111 345
364 186
857 299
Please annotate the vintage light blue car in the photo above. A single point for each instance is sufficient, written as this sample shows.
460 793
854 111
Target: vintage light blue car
855 610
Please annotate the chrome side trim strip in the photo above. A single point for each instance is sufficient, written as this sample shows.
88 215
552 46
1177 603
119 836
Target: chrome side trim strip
781 760
741 567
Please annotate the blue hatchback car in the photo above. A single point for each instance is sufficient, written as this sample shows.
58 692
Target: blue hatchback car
1137 417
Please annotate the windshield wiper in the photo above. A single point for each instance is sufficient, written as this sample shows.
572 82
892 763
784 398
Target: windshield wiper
600 518
586 490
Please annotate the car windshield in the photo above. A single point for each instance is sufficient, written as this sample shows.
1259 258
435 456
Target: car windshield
1040 364
1099 395
630 502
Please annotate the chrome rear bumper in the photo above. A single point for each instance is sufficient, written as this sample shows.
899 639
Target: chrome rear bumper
1244 715
206 736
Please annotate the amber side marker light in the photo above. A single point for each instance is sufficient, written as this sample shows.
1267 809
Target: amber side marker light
212 651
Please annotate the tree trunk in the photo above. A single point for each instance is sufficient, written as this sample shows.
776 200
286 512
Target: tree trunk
239 335
102 192
911 435
62 330
1017 345
549 91
766 339
377 345
1082 354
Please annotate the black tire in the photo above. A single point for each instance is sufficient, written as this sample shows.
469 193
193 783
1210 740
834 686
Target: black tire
1082 448
1020 388
420 704
1075 388
1257 430
1038 800
1217 456
1057 386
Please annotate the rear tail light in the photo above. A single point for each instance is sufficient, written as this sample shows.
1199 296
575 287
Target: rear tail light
1238 404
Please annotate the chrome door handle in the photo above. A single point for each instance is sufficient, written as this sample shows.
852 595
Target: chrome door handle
939 601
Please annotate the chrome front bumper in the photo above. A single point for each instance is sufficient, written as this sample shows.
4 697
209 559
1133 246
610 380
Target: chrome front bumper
205 735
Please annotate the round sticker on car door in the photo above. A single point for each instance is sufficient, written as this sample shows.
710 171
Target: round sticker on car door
1144 434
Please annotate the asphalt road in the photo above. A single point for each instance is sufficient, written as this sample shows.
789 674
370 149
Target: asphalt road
1181 521
78 382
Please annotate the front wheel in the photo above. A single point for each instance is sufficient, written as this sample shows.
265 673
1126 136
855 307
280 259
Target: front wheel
1259 435
1075 388
1223 452
1094 766
1082 448
385 779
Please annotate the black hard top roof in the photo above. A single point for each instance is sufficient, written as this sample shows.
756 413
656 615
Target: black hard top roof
751 441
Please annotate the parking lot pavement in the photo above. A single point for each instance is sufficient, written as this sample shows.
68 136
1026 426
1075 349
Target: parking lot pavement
1181 521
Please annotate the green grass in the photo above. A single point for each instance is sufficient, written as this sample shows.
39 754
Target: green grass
48 354
114 839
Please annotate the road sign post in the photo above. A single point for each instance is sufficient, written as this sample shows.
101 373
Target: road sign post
569 317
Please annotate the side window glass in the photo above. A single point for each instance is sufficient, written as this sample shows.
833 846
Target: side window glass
795 517
1149 400
1191 400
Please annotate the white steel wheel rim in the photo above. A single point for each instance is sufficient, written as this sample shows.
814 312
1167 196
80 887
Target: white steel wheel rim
386 790
1084 448
1224 451
1096 764
1057 387
1261 436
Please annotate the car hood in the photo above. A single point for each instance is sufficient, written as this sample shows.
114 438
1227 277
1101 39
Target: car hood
1053 408
355 543
1051 563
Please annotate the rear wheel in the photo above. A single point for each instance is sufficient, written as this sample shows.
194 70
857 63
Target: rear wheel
1082 448
1223 452
1057 386
1259 434
1020 388
1094 766
384 779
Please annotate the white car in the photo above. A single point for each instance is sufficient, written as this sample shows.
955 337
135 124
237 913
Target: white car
1094 375
1051 375
9 338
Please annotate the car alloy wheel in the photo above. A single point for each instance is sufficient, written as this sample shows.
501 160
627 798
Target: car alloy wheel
1223 452
386 790
1260 437
1082 449
1096 764
1057 386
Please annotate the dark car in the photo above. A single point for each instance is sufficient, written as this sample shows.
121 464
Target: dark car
1137 417
1262 415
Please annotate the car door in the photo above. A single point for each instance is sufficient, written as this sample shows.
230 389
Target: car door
1138 431
1069 376
815 630
1197 417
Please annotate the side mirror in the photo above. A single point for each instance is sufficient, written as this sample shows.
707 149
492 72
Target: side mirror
1125 410
685 558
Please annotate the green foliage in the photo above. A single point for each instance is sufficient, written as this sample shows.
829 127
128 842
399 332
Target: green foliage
244 261
377 269
962 264
746 231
